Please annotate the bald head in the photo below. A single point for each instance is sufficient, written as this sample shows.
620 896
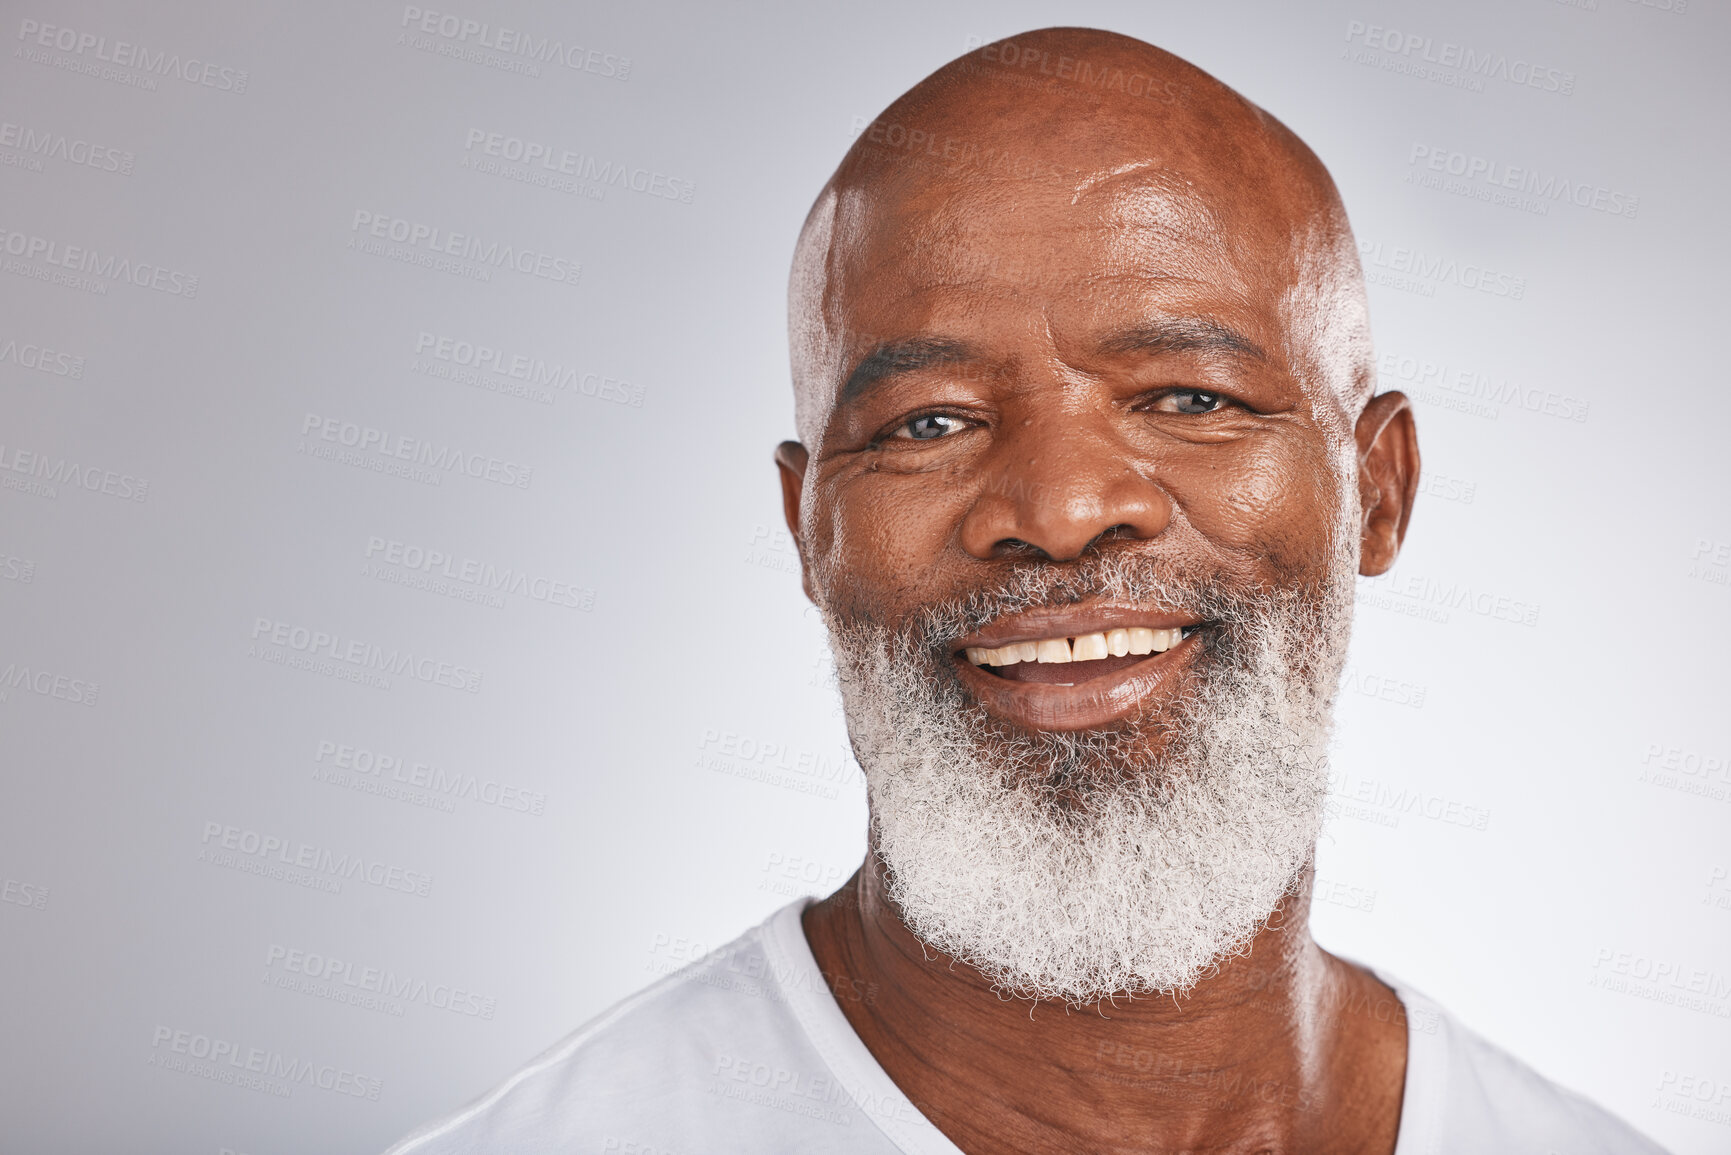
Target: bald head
984 177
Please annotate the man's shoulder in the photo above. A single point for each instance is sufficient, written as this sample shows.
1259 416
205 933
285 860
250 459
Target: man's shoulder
1466 1093
709 1052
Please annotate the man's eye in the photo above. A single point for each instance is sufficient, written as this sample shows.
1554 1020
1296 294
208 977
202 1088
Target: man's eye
929 427
1189 401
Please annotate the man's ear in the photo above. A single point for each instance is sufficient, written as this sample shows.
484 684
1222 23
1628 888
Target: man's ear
791 457
1388 468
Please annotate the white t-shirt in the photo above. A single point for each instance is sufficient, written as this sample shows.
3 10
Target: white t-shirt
748 1051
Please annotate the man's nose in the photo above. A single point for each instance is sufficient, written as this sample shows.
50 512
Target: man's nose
1059 493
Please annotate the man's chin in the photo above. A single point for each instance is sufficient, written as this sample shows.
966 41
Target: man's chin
1105 850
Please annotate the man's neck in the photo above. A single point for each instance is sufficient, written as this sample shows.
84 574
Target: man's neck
1285 1049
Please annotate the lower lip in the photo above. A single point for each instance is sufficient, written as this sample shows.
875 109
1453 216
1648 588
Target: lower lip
1085 705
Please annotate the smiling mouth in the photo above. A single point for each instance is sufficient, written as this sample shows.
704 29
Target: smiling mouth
1066 661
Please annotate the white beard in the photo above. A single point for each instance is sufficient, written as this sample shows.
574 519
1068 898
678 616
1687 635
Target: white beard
1078 865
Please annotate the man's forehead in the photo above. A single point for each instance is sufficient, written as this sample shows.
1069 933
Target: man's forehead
1094 264
1149 222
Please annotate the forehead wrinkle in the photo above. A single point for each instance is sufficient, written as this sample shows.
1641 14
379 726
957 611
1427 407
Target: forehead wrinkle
1162 205
1089 183
1155 229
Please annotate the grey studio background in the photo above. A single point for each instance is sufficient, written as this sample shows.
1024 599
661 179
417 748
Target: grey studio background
400 655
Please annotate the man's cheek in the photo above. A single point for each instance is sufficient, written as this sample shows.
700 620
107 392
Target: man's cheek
1272 506
890 530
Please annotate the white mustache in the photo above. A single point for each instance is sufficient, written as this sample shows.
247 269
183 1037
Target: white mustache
1120 578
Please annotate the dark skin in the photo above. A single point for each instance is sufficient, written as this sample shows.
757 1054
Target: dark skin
1156 345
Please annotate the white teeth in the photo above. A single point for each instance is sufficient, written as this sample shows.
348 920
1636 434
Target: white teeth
1010 655
1157 641
1051 650
1089 647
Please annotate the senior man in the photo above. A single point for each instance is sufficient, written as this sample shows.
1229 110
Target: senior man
1089 458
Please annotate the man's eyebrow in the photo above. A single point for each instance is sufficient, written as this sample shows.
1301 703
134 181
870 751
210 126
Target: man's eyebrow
891 358
1184 335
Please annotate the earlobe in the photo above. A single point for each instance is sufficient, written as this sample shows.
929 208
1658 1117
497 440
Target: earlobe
791 457
1388 471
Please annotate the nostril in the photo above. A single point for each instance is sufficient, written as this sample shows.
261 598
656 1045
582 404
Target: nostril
1120 531
1011 547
